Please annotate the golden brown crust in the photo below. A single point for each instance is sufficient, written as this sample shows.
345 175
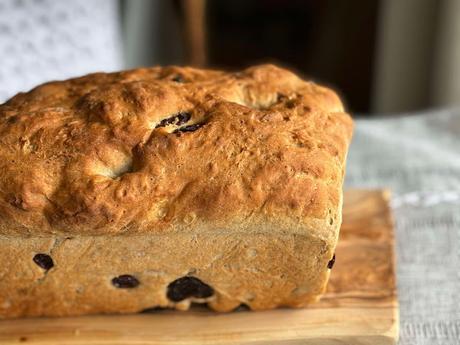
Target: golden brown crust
249 153
77 155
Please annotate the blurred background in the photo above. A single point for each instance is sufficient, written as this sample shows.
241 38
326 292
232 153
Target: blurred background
396 63
383 56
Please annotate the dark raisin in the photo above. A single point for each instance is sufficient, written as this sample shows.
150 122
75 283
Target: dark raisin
331 262
183 118
44 261
164 122
125 281
177 119
186 287
178 78
191 128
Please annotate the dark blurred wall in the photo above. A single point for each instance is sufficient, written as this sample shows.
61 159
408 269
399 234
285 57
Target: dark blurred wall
330 41
153 33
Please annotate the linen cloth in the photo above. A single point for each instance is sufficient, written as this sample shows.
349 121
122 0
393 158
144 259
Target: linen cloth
42 40
418 158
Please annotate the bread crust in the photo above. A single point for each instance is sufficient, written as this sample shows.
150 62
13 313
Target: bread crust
168 153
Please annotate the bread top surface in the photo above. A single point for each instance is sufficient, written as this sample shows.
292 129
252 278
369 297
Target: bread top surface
170 149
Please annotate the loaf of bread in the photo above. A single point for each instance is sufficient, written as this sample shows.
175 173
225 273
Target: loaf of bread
159 187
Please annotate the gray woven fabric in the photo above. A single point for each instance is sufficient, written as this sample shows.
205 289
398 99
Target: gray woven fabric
418 158
42 40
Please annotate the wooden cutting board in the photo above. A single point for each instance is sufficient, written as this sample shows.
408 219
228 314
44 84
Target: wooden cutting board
360 306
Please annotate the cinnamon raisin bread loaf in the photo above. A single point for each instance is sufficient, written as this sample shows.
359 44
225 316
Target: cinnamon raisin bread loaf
159 187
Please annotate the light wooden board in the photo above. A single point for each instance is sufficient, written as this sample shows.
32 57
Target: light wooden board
360 306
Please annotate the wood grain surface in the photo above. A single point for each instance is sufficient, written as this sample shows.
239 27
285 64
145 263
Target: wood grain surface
360 306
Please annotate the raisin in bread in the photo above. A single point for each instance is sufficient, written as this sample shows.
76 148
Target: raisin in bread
159 187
